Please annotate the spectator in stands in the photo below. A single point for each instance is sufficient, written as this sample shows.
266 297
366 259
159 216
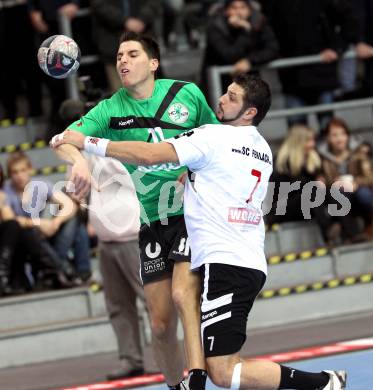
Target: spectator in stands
111 19
297 161
19 245
9 239
171 28
18 68
239 35
44 18
44 14
364 47
181 16
114 214
346 163
304 27
27 198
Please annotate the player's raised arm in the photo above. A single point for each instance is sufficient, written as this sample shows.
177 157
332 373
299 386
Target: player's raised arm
132 152
94 123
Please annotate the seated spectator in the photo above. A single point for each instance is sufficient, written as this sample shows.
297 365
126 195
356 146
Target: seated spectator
345 162
20 245
297 161
113 17
9 240
306 28
238 35
27 197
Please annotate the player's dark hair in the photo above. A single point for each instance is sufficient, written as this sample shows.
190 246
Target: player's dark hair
256 94
150 46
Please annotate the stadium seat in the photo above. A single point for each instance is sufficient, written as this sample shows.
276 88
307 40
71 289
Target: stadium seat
356 259
299 236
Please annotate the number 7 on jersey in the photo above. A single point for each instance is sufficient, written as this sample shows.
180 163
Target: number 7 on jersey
258 176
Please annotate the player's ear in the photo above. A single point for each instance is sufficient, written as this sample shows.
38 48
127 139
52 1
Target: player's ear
154 64
250 113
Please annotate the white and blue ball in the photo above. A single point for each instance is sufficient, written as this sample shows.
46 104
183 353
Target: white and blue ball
59 56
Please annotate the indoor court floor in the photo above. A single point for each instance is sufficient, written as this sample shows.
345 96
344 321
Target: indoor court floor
333 343
356 357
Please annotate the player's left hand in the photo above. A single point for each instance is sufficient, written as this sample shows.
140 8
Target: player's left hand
71 137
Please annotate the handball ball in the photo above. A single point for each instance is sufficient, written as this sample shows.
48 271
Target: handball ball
59 56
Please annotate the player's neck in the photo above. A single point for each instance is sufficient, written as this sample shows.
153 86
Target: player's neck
239 122
142 90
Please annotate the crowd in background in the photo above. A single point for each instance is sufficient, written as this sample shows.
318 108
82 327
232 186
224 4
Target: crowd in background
245 34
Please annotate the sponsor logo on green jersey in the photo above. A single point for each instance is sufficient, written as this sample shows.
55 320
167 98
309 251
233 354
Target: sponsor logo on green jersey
178 113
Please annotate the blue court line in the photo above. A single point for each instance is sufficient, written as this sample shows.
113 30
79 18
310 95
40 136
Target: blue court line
359 367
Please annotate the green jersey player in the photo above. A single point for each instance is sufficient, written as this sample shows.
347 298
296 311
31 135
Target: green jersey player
152 110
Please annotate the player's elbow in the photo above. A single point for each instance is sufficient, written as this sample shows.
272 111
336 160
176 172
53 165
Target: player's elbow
152 155
149 159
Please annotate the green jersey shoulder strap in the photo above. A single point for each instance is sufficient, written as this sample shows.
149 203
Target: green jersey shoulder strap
172 92
133 121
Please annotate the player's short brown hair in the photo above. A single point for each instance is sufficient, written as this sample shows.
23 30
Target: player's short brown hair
148 43
256 94
15 158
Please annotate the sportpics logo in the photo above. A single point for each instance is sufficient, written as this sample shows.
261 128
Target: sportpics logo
335 200
169 201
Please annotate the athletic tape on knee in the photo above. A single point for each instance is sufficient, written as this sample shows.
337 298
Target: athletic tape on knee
236 377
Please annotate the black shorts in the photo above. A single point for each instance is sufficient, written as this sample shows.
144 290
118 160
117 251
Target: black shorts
228 294
162 245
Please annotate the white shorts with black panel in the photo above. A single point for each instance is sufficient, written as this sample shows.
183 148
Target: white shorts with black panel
228 294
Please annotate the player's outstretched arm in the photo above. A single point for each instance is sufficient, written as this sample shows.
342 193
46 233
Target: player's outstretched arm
132 152
142 153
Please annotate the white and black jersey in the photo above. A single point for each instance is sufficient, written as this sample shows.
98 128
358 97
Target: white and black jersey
229 172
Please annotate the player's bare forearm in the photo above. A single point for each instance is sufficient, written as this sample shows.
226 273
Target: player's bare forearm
69 153
132 152
142 153
80 176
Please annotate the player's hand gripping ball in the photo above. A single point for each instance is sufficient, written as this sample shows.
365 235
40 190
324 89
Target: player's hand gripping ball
59 56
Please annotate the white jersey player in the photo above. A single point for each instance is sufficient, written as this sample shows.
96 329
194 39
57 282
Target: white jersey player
229 168
224 217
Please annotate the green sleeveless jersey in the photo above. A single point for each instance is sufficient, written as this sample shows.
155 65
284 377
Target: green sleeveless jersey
173 108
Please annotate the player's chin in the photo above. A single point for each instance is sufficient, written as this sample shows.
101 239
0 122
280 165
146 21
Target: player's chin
126 82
